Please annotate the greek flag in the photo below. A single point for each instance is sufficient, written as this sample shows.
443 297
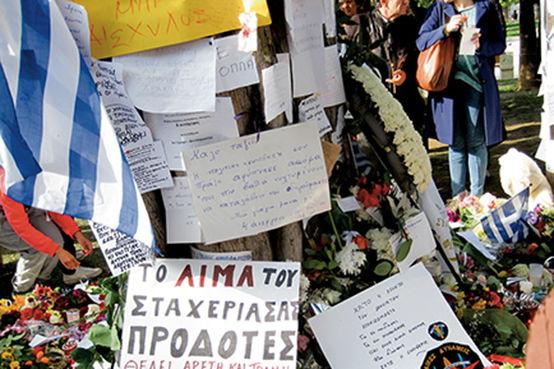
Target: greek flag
57 146
506 223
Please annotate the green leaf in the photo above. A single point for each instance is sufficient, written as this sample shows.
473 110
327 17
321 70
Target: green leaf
403 250
85 358
383 268
101 335
332 265
315 264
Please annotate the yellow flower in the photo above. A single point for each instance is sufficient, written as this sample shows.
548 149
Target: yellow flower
479 305
7 355
14 365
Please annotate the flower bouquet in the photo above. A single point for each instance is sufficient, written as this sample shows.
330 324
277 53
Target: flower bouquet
60 328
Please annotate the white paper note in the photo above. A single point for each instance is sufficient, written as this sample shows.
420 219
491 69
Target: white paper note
305 24
277 89
120 251
286 83
129 127
149 167
337 135
419 231
330 18
312 109
234 68
207 255
255 183
333 91
396 324
348 204
180 131
306 79
182 224
76 18
466 46
173 79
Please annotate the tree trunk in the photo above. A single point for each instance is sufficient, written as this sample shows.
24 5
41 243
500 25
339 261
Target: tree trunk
529 52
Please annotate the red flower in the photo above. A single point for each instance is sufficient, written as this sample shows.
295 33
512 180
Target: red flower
38 349
38 315
532 248
26 314
386 189
362 181
361 241
368 200
495 300
377 189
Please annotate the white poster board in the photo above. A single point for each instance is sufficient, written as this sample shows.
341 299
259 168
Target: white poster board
172 79
208 255
181 131
120 251
255 183
394 324
212 314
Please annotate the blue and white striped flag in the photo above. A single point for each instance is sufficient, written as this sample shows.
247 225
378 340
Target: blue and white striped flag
506 224
57 146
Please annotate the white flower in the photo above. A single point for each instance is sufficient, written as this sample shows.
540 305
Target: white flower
350 259
304 287
379 239
408 142
325 296
526 286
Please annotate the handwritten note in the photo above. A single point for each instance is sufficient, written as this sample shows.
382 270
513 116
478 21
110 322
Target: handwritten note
129 127
348 204
332 92
234 68
120 251
182 224
306 79
75 17
305 24
149 167
173 79
393 324
128 26
329 16
277 89
311 109
181 131
207 255
418 230
254 183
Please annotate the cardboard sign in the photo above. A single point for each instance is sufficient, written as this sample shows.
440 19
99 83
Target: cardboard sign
395 324
212 314
255 183
119 27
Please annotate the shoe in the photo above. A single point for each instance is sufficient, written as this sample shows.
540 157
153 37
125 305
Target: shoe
81 273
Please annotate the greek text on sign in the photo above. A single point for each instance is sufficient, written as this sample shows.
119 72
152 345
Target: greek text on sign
214 314
381 329
119 27
255 183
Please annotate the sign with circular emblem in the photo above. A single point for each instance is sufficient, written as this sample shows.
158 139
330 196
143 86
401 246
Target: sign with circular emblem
452 356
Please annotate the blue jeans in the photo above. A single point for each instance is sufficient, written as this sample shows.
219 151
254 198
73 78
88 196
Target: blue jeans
469 149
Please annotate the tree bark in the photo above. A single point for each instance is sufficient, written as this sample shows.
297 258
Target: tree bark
529 52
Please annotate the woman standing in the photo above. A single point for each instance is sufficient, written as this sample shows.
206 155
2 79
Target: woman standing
467 114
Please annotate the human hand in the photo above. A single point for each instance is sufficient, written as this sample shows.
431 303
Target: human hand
67 259
84 242
398 77
455 23
475 40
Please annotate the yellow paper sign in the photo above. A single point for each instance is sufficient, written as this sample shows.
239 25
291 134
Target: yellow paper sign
119 27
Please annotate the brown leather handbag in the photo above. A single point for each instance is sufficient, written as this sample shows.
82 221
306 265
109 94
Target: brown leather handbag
434 65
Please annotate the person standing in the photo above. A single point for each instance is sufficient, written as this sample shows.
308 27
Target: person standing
391 34
42 239
467 114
